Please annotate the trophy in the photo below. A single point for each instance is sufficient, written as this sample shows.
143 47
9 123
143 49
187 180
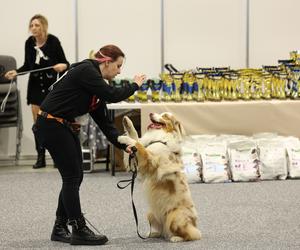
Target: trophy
167 81
155 85
266 85
198 94
234 92
226 93
282 82
245 86
177 87
295 56
188 84
294 82
256 89
142 93
216 85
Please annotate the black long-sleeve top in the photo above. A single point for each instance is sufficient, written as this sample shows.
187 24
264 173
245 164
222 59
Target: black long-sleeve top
39 82
83 90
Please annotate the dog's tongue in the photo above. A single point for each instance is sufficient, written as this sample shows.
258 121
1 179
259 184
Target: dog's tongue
154 126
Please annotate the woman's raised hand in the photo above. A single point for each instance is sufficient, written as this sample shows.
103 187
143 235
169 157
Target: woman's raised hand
139 79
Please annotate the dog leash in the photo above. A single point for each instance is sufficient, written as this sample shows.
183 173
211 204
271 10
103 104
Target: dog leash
3 104
133 157
34 70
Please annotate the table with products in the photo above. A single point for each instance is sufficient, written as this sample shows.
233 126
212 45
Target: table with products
226 117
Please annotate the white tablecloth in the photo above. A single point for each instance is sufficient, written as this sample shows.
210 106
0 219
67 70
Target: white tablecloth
240 117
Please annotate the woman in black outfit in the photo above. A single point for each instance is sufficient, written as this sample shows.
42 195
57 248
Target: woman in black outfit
41 50
82 89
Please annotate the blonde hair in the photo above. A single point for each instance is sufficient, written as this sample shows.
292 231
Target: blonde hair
44 22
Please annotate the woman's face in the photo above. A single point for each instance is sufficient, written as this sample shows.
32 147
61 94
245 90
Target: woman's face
112 69
36 28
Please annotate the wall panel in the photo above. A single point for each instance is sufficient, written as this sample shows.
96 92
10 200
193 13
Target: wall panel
274 30
133 25
205 33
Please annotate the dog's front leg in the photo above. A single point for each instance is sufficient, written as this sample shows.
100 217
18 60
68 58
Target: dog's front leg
147 164
129 128
155 226
124 139
145 158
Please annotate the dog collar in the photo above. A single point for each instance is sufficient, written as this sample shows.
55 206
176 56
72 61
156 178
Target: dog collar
152 142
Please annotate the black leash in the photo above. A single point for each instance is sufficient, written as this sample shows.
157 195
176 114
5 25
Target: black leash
133 157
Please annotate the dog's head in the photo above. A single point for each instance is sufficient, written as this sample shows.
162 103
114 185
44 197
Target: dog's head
167 122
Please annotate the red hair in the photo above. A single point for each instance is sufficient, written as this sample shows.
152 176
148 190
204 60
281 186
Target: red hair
109 53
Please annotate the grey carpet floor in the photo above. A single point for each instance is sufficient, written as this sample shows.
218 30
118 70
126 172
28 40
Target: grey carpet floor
262 215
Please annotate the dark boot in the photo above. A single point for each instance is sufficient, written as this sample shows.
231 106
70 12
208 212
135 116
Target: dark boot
82 235
41 161
60 230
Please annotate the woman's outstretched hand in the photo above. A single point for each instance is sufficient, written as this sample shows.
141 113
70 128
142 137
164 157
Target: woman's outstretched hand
139 79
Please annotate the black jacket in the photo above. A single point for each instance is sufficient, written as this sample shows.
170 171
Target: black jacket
39 82
83 90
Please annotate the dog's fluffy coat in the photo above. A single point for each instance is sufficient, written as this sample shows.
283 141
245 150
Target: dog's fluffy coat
172 213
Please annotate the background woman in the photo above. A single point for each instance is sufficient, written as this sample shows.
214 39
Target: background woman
41 50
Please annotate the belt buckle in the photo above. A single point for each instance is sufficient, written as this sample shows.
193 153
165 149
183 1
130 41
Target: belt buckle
43 114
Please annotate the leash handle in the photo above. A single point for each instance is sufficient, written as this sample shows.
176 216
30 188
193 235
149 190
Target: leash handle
3 104
129 181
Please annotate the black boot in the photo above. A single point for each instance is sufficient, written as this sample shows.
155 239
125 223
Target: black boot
41 161
82 235
60 230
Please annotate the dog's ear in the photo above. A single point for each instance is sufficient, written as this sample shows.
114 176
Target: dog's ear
180 130
173 124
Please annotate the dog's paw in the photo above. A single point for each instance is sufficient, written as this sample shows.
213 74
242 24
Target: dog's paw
123 139
129 128
154 235
175 239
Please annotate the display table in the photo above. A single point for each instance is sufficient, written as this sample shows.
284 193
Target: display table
236 117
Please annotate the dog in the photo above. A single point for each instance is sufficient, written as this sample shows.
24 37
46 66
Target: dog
172 214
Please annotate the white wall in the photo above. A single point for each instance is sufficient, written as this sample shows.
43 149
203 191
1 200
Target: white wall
274 30
197 33
205 33
133 25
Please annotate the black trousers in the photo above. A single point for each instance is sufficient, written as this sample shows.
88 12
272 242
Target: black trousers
64 147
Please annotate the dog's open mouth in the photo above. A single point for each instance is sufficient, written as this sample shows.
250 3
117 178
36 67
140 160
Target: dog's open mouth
155 125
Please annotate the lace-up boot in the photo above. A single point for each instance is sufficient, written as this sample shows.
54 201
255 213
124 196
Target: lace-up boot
60 230
82 235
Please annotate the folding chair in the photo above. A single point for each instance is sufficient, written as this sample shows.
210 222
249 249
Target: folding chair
11 113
